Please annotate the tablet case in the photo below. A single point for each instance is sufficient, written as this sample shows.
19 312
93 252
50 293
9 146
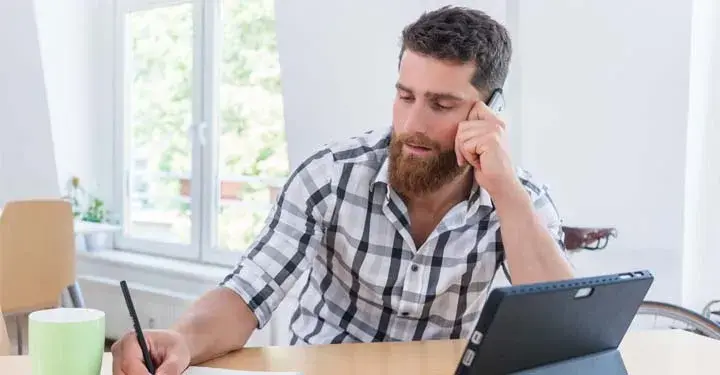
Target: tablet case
565 327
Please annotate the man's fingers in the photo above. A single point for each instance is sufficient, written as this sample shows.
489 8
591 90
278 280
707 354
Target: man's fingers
459 140
469 152
466 130
470 137
471 132
466 143
133 366
130 366
476 128
170 366
480 111
487 142
473 114
458 153
127 357
117 362
117 367
473 147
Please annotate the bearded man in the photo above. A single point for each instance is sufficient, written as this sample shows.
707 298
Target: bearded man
393 235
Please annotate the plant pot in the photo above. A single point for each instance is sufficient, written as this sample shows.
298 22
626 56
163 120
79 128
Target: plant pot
80 244
95 241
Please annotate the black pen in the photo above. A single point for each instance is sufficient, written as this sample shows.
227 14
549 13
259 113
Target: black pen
138 331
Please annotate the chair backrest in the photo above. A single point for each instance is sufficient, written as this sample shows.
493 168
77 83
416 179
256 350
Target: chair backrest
4 338
37 254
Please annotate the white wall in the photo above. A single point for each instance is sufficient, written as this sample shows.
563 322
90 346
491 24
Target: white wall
54 62
76 56
65 34
27 169
624 131
604 115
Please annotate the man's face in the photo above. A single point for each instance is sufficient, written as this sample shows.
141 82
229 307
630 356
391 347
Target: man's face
432 98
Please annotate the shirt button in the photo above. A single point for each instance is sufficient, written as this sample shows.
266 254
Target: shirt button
414 268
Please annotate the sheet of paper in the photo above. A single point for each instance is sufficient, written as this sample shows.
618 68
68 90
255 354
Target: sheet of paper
196 370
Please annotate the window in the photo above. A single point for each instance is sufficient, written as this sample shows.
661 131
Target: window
201 152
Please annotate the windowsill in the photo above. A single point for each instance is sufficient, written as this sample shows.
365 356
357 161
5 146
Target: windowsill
157 264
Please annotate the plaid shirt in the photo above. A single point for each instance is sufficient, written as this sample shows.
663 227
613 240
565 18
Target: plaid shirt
340 230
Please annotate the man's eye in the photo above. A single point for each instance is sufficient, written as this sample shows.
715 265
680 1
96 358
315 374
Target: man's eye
406 98
441 107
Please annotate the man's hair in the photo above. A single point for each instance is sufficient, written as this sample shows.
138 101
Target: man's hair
463 35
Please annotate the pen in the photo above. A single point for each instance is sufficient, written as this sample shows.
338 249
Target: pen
138 331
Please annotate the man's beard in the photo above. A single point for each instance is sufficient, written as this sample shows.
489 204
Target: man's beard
415 175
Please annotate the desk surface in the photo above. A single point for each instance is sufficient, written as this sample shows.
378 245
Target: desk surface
644 352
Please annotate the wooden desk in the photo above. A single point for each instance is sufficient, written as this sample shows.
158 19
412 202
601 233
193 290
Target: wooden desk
644 353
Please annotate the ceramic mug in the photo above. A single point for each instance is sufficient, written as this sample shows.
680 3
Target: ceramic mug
66 341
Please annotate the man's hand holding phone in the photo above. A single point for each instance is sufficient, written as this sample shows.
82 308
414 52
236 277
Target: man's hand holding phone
481 142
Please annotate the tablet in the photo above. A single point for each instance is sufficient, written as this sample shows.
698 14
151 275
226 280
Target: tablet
534 325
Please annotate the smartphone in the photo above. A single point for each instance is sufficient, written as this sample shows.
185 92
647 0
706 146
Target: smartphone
496 102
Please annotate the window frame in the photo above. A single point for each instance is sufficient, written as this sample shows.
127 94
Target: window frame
122 110
207 36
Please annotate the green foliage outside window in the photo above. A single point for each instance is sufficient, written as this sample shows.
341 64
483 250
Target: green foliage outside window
250 128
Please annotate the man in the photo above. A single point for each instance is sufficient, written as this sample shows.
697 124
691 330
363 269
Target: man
393 236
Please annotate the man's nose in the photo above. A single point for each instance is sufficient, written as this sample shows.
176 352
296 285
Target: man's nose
415 122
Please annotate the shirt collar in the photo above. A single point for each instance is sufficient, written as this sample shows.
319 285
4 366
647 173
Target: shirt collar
382 174
479 200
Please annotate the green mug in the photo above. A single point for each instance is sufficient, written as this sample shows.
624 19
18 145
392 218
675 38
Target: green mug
66 341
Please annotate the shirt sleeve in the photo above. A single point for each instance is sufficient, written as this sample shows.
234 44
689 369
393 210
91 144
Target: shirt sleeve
285 247
548 212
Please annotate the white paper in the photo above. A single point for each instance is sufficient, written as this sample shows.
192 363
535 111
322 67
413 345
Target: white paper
195 370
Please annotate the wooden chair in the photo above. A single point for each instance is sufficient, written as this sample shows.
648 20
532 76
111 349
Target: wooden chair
4 338
37 256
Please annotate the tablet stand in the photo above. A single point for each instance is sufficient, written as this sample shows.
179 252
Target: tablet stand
608 362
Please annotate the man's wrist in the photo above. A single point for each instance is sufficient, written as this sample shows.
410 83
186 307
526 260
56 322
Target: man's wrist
187 340
512 197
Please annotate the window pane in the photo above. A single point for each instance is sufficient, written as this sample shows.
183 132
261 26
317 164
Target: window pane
160 111
238 225
252 154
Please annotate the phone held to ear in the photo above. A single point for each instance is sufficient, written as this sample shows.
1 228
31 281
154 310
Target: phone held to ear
496 102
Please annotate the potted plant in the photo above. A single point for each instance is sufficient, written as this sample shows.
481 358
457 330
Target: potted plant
93 221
